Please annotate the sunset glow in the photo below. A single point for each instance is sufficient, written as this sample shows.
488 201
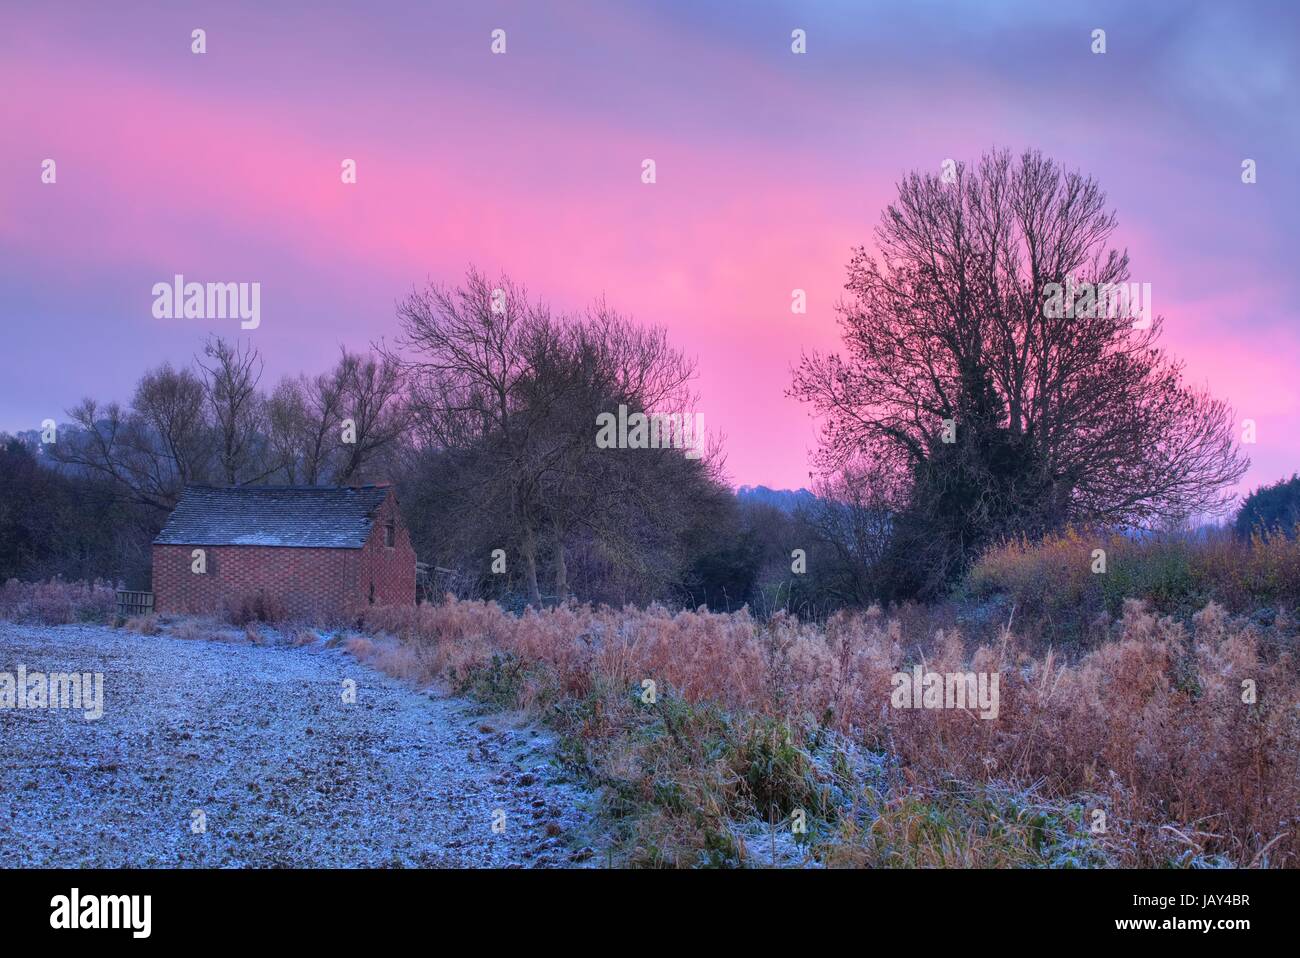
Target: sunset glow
770 168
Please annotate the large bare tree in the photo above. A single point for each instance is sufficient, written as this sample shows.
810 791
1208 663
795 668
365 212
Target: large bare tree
146 451
230 379
373 400
469 356
963 375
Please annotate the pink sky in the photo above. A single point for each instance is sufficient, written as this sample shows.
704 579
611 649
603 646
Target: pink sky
225 167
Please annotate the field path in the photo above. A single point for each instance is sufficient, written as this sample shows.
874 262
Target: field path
285 773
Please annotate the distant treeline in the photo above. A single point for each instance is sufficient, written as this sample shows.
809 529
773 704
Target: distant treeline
961 415
484 416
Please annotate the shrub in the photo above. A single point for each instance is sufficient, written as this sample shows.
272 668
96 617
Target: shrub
57 602
1056 592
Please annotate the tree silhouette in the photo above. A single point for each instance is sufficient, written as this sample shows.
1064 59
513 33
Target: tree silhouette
999 411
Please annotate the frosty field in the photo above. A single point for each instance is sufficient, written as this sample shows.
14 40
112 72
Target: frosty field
258 741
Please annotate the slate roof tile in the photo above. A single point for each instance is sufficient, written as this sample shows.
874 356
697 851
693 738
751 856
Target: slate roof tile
333 517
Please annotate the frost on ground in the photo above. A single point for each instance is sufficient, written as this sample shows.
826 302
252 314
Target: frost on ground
259 740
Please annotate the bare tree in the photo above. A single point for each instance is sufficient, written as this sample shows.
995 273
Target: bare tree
288 422
110 442
510 395
230 388
149 450
960 376
604 360
324 398
169 405
468 356
854 511
371 396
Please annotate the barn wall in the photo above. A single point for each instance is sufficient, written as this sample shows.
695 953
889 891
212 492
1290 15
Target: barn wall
306 583
391 570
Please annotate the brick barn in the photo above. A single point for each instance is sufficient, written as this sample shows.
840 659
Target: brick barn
315 552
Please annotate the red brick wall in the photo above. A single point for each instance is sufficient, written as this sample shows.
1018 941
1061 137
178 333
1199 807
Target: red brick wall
391 570
307 583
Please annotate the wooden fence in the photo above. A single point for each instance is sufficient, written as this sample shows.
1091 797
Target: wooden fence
134 603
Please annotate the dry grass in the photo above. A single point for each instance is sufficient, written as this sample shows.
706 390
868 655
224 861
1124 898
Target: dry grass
1055 590
143 624
752 716
303 637
57 602
197 630
245 610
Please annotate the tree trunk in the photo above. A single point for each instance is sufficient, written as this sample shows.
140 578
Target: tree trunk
528 546
561 570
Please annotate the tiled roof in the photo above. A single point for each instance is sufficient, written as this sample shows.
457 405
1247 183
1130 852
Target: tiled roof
333 517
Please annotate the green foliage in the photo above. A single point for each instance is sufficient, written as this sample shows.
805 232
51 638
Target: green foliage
963 825
965 495
498 683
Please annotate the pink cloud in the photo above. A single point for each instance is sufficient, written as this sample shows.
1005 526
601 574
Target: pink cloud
217 178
